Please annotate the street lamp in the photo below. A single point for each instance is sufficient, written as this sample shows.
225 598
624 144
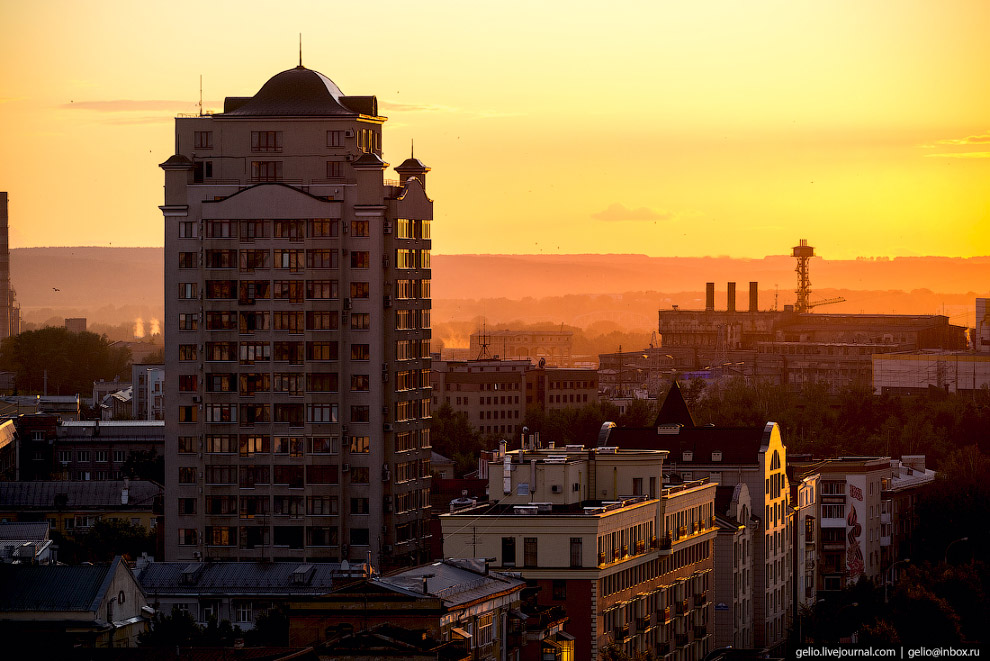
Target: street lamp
890 572
955 541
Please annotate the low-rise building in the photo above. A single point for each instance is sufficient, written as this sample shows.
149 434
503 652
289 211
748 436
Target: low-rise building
915 372
629 560
491 392
148 395
557 388
26 543
73 507
98 449
44 609
446 600
239 591
553 347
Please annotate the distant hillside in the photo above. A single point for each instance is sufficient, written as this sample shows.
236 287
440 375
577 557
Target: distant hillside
112 285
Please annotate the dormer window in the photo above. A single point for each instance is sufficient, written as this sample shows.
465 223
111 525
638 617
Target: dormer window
716 455
687 455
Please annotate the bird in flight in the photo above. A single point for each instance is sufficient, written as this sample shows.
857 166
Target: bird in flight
56 289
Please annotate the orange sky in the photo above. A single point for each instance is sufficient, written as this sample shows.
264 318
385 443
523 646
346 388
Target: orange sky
665 128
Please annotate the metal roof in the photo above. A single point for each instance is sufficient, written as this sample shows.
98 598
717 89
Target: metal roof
54 588
96 494
454 581
162 578
24 530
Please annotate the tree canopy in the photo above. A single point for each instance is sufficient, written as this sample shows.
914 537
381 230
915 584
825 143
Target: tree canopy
72 361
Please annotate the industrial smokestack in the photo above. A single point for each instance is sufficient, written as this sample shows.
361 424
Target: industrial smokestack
754 297
731 303
709 297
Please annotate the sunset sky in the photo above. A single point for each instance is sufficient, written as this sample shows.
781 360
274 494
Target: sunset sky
665 128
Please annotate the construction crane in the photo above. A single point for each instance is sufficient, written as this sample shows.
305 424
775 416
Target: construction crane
827 301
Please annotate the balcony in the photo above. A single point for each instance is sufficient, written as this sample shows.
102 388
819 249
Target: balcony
683 607
885 541
640 546
700 632
681 639
643 623
601 558
700 598
619 634
665 613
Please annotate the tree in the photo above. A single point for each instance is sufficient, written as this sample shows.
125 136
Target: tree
71 361
145 465
110 537
271 629
453 436
170 631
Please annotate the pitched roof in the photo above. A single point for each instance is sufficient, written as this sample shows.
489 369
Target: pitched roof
456 582
296 92
24 530
674 409
738 445
101 493
55 588
159 578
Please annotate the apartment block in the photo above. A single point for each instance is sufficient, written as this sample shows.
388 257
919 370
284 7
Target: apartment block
754 456
597 531
297 329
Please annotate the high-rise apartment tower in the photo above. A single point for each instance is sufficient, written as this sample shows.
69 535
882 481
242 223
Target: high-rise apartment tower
10 313
297 289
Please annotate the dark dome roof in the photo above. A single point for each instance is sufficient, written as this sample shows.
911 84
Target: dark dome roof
295 92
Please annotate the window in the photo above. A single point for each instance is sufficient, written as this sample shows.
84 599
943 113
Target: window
253 351
360 475
360 290
320 350
251 445
253 229
221 413
251 259
360 321
321 289
575 552
187 260
187 414
529 552
101 456
266 170
216 474
219 383
290 229
291 290
360 413
323 445
360 259
221 229
360 506
220 444
335 138
322 320
290 413
335 169
288 321
187 505
291 475
248 476
221 536
322 535
360 352
321 505
290 382
202 139
360 444
359 536
360 228
321 259
119 456
187 445
360 383
187 352
187 383
290 445
320 413
187 537
187 475
323 228
508 551
188 322
188 229
243 612
321 474
266 141
252 506
188 290
322 382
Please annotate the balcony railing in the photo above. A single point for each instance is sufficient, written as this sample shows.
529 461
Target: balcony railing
620 633
683 607
700 632
640 546
700 598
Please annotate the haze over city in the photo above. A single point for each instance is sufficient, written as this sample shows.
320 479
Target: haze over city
689 129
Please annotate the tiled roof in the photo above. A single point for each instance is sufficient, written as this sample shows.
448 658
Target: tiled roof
160 578
295 92
103 493
54 588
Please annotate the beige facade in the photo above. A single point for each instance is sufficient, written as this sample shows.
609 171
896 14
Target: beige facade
628 559
491 392
733 567
297 332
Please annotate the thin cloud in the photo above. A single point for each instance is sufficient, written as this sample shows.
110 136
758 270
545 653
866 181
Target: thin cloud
128 105
962 154
618 212
415 107
956 142
153 119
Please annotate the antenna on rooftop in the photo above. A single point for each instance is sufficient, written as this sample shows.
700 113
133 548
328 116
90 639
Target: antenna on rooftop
483 342
412 148
300 49
200 95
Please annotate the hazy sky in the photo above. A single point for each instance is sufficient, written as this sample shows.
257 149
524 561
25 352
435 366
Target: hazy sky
666 128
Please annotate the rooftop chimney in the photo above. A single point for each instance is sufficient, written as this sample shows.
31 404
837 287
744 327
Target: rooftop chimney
731 302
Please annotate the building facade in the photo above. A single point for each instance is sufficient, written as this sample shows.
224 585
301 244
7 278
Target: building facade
297 332
148 396
629 560
10 312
